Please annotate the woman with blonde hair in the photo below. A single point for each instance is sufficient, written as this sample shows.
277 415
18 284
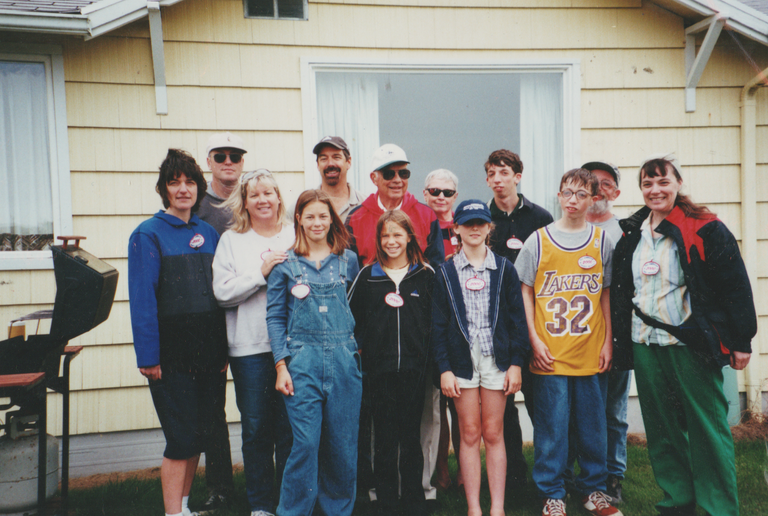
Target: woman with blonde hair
256 241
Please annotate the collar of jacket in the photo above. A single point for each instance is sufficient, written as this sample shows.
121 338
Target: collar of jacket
451 276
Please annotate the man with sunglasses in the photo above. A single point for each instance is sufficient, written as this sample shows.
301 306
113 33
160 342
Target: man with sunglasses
333 162
225 160
515 219
390 175
599 214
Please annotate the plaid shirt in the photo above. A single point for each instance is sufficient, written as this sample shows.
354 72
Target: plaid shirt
477 302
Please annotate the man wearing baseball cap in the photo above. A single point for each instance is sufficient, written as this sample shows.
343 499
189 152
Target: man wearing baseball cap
225 160
390 174
599 214
333 162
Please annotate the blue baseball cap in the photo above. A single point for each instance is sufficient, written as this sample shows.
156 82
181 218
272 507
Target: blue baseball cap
472 209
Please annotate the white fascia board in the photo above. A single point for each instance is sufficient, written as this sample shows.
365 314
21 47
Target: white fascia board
742 19
75 24
109 15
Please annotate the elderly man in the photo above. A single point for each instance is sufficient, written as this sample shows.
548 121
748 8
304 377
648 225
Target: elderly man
618 381
390 174
333 162
515 218
225 160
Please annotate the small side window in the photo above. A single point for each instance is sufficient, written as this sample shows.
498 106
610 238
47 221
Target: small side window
278 9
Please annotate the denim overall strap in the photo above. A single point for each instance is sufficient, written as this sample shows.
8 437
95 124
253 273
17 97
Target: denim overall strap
293 263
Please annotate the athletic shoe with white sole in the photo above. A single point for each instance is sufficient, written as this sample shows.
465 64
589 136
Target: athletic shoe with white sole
596 503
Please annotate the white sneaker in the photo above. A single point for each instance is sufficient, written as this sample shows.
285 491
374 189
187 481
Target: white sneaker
261 513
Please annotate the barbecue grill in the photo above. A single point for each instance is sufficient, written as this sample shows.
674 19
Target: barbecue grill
85 290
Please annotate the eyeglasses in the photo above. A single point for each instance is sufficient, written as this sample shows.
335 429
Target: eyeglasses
435 192
259 172
220 157
388 174
608 184
580 194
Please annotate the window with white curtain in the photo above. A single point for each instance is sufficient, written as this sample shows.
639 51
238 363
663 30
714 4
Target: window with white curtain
34 171
450 117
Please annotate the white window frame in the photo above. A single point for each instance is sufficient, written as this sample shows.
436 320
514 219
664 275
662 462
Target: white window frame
569 68
61 194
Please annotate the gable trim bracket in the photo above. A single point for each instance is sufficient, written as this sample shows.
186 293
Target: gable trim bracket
694 64
158 57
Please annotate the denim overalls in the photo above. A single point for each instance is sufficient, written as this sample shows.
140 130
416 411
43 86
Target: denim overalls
325 409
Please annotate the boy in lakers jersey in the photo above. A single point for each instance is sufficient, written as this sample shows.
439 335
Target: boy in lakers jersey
565 271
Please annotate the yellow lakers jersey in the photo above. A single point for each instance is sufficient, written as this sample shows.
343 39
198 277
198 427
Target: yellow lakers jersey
568 316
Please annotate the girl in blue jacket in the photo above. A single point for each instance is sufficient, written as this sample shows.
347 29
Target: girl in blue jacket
391 301
480 342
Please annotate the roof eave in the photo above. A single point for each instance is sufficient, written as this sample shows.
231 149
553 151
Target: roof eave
741 18
73 24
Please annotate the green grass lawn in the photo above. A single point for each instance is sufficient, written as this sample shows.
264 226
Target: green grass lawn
144 497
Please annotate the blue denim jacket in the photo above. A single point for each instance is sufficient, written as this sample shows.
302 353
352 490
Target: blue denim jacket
450 330
280 301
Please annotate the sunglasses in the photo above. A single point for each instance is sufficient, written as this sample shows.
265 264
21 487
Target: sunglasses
435 192
389 174
254 173
220 157
580 194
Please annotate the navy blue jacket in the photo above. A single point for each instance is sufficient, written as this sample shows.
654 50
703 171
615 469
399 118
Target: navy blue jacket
723 318
175 318
450 329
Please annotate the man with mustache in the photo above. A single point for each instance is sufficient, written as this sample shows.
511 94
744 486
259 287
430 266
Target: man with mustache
600 215
333 162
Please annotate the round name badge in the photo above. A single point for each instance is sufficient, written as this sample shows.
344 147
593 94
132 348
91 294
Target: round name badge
197 241
454 240
515 243
650 268
394 300
587 262
475 284
264 254
300 291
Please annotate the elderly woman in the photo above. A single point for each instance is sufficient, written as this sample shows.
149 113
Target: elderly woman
179 332
682 304
255 243
440 194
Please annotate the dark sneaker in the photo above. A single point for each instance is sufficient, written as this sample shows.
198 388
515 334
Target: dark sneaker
613 489
553 507
596 503
214 502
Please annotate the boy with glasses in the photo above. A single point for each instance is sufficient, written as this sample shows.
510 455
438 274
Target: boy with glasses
565 269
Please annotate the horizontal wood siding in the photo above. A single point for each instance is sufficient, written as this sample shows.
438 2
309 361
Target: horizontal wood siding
226 72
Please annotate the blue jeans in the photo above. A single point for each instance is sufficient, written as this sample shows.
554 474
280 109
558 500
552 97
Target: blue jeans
266 430
324 414
615 397
562 402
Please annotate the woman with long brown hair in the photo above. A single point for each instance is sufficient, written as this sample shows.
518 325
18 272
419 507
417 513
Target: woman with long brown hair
682 308
311 332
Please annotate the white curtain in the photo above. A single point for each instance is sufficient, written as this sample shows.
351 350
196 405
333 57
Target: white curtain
541 138
25 182
348 106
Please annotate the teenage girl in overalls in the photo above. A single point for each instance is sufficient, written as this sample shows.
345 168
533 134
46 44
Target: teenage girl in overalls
311 330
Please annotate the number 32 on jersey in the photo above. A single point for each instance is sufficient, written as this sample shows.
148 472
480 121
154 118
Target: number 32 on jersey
569 317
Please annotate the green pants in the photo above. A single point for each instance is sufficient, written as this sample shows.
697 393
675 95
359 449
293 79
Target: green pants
685 416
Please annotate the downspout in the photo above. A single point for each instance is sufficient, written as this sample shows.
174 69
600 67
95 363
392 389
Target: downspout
749 215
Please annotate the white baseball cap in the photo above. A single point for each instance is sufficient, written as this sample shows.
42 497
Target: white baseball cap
386 155
669 156
225 141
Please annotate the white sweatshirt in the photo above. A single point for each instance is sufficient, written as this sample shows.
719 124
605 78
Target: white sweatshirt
241 289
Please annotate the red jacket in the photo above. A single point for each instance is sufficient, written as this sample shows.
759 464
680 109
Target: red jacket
361 223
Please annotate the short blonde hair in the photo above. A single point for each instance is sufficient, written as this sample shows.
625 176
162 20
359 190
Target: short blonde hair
241 219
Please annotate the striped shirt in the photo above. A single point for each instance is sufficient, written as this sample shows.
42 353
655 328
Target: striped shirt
477 302
663 296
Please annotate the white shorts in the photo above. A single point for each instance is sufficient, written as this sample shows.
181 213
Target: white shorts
485 373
